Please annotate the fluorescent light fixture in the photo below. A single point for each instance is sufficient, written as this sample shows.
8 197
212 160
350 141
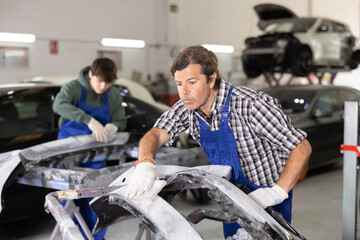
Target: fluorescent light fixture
117 42
17 37
219 48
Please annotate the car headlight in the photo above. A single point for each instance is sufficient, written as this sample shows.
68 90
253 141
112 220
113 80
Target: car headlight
282 43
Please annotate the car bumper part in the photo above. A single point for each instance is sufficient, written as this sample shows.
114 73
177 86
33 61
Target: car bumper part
41 162
235 205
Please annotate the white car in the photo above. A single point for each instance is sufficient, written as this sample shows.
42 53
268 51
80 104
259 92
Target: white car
125 86
298 45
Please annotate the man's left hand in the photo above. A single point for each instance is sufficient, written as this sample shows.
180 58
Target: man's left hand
269 196
111 128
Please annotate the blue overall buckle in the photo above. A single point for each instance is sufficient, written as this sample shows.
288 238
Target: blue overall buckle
225 113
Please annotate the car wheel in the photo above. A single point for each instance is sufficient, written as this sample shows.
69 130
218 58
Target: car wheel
353 64
302 63
250 72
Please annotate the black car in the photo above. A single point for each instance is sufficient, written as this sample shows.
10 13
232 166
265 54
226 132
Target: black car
27 119
319 111
298 45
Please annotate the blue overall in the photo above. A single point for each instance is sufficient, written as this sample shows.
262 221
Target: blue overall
72 128
220 147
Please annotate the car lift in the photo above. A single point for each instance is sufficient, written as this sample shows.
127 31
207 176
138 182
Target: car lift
312 78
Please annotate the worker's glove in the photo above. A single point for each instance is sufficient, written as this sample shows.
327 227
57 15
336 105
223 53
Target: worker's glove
241 234
111 128
142 179
98 131
269 196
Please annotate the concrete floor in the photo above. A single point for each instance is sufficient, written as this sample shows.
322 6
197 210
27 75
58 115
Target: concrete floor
317 213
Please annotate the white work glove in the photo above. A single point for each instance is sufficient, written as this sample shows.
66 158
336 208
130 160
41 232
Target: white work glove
142 179
269 196
241 234
98 131
111 128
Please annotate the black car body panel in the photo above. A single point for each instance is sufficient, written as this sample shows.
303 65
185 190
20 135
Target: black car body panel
27 117
319 111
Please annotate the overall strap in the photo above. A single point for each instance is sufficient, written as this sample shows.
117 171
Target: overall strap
225 109
83 93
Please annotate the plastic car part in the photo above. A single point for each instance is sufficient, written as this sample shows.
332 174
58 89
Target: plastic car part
54 165
235 204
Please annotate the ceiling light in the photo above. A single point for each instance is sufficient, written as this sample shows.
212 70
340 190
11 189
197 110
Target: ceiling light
117 42
219 48
17 37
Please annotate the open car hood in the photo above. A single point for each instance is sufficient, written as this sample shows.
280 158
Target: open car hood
271 13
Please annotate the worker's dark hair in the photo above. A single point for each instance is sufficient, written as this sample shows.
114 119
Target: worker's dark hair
198 55
104 68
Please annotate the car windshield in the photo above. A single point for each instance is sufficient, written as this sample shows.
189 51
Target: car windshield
292 101
293 27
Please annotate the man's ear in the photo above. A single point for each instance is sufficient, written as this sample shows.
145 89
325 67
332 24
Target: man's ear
213 80
90 74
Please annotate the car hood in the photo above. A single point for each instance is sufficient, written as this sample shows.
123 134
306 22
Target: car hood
272 13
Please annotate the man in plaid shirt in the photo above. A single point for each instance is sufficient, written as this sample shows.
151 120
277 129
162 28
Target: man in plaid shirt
236 126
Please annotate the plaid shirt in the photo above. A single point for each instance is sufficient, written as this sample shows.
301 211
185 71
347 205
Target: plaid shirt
264 134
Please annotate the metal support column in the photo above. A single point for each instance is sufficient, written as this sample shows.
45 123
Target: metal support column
350 172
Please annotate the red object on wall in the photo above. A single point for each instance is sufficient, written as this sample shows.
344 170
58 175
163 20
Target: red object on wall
53 47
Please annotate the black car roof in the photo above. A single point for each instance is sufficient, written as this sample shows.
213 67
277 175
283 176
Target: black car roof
306 88
5 88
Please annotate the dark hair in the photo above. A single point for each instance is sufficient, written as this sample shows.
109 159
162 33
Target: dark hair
104 68
198 55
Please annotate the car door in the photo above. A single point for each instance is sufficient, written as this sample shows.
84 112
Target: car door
326 134
329 43
346 40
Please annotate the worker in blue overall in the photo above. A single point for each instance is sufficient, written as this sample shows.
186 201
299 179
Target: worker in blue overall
91 104
236 126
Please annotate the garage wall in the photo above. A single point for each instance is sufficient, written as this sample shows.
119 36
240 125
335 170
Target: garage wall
79 25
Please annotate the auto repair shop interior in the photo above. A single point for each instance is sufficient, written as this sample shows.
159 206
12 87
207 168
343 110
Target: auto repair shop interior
304 53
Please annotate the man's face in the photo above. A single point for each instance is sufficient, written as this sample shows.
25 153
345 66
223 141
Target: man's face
97 84
193 90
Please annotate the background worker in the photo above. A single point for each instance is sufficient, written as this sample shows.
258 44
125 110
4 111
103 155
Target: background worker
91 105
235 126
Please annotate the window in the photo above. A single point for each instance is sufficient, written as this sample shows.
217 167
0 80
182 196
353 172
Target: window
338 27
348 96
25 113
328 102
325 26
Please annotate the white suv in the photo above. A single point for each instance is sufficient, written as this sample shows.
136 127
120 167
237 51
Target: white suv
298 45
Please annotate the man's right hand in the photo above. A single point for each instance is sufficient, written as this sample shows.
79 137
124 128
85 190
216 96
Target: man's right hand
98 131
142 179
